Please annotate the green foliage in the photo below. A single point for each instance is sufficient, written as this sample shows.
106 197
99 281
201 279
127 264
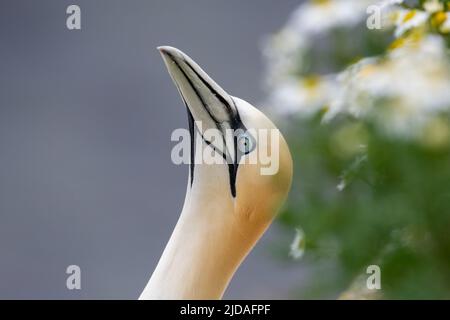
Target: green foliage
371 144
394 210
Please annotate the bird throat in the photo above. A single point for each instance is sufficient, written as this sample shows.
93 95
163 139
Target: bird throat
203 253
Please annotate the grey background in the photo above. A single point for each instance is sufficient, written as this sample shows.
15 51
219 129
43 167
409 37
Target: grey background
85 124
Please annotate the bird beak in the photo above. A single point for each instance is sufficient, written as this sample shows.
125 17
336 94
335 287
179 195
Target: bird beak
206 101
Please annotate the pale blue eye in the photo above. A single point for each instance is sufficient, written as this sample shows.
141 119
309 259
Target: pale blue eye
245 143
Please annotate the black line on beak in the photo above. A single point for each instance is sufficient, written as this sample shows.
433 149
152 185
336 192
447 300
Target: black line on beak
216 94
205 105
234 120
192 136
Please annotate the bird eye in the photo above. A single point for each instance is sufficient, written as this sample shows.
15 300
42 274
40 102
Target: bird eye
245 143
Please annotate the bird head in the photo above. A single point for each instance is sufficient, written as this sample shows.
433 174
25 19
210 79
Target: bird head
239 161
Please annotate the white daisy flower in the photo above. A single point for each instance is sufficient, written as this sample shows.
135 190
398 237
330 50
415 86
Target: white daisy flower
432 6
445 26
318 16
297 248
400 93
409 19
304 97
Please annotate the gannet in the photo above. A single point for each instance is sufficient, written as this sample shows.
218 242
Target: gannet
229 205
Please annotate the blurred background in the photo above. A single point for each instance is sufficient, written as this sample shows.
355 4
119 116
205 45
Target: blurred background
363 89
85 122
360 89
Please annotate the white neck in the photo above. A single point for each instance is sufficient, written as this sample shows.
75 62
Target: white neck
207 245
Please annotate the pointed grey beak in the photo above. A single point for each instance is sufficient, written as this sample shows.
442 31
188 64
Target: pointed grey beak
205 99
208 104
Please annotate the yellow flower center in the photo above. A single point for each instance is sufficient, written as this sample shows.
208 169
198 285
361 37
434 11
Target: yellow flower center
409 16
438 19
